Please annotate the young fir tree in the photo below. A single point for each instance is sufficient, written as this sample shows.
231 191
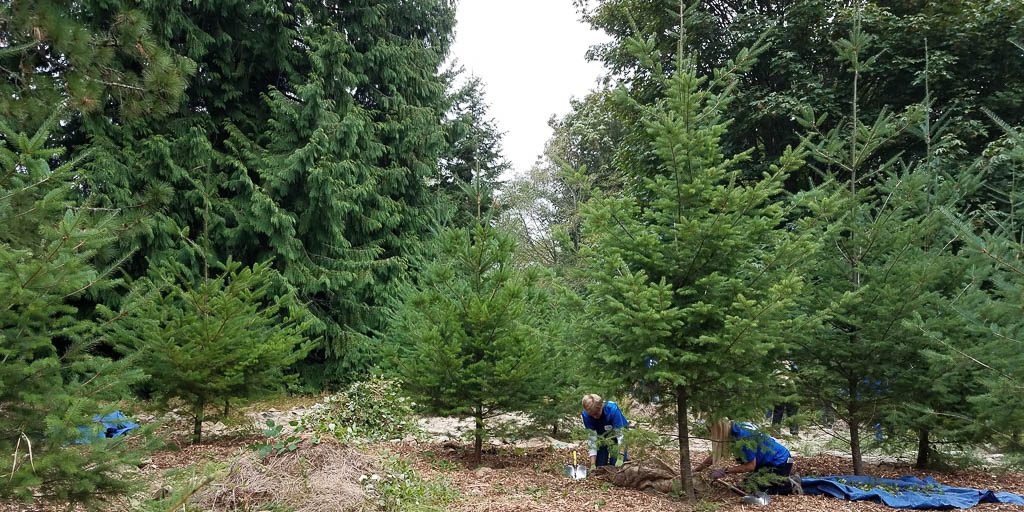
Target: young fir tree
692 266
468 332
50 385
993 309
61 60
207 342
884 263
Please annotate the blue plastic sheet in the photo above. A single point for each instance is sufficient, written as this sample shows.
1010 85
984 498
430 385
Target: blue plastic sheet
114 424
906 492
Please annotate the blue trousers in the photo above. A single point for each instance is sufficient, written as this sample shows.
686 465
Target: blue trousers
603 458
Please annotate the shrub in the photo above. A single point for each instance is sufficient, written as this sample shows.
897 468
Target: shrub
373 410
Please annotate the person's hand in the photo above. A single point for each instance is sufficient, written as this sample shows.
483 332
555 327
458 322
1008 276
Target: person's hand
718 473
619 461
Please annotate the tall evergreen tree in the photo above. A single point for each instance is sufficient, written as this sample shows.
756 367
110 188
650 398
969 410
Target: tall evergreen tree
473 151
693 277
884 260
308 140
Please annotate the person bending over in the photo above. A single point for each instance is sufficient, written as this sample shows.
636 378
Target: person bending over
754 451
604 422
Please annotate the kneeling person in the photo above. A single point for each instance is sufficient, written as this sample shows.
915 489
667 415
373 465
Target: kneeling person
755 451
604 420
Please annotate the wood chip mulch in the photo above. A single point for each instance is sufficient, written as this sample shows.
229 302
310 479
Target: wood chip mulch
527 481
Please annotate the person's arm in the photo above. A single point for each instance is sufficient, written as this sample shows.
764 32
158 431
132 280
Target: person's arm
619 423
743 468
592 446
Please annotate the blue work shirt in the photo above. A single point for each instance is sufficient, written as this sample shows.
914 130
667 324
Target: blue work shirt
767 451
611 419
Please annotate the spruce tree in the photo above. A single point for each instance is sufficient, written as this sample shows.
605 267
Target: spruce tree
208 342
50 384
692 267
472 150
470 332
883 273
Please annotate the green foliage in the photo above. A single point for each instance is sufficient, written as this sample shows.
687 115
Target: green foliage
50 384
972 67
278 442
473 152
84 58
467 333
401 489
693 285
884 272
210 341
308 142
373 410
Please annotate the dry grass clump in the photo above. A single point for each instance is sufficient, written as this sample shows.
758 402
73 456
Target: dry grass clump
313 478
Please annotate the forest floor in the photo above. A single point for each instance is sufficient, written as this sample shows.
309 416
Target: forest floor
438 469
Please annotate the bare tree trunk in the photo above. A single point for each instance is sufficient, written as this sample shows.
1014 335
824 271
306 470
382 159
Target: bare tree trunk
683 422
924 448
478 441
197 425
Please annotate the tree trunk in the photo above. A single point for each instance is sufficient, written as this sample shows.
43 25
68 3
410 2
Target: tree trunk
683 422
854 421
924 448
197 425
478 441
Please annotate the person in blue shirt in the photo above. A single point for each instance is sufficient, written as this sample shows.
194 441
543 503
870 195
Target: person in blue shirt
754 451
604 420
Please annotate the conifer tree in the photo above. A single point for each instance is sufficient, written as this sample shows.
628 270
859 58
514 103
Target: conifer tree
473 150
61 60
470 330
211 341
692 269
50 384
309 141
992 306
884 262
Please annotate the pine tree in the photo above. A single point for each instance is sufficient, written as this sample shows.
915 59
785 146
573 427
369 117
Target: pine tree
50 385
470 331
85 58
209 342
692 268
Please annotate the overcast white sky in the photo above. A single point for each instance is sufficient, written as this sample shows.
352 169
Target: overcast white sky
530 55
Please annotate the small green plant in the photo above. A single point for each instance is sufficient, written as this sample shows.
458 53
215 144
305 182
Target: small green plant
277 442
399 489
706 506
373 410
761 479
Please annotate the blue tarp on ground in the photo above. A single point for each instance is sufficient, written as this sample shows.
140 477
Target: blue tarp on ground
906 492
114 424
